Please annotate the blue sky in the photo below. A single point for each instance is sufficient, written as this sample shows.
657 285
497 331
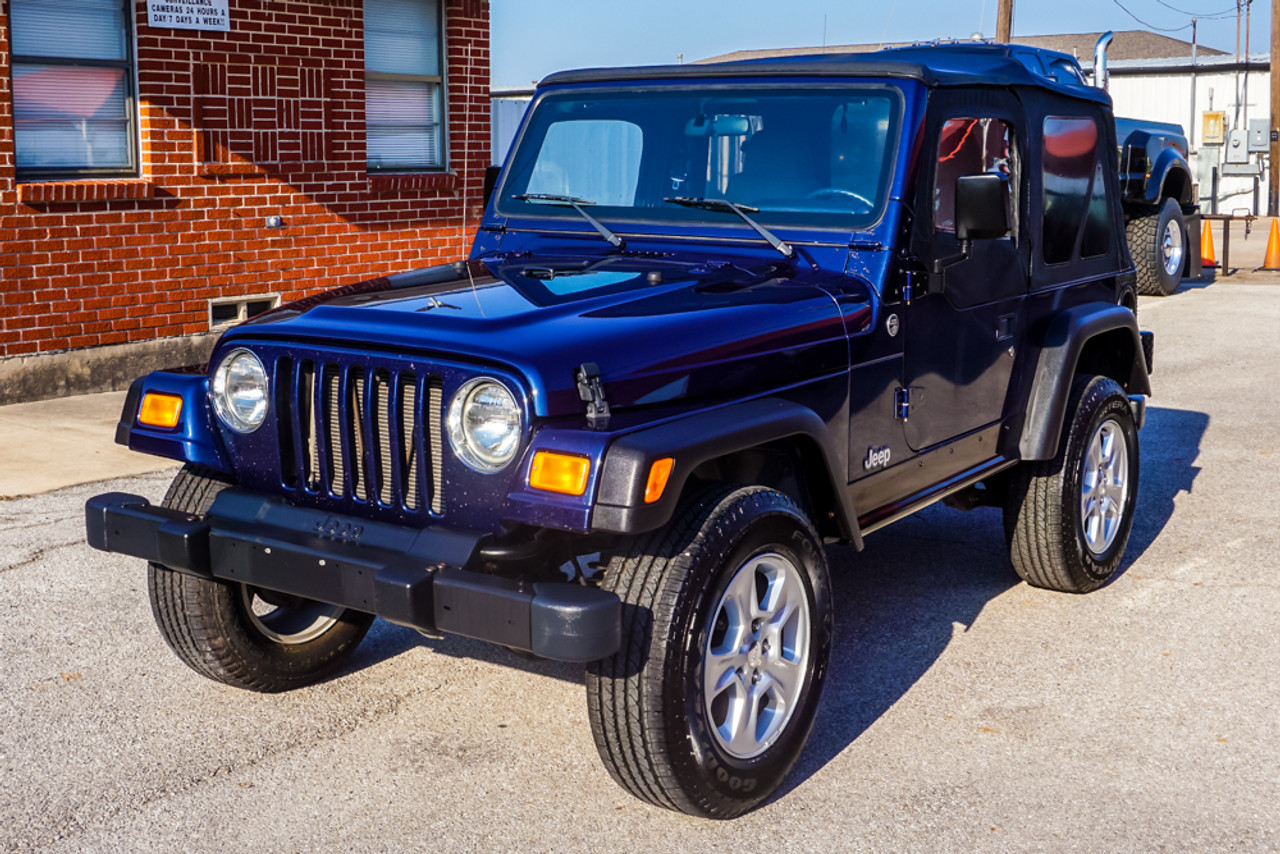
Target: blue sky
532 38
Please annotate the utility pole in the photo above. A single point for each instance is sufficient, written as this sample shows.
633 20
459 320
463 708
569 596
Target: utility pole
1273 185
1004 21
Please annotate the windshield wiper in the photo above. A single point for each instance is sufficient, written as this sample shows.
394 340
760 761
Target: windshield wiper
575 203
740 210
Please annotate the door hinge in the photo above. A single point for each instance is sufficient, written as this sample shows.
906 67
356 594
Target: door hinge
902 403
591 392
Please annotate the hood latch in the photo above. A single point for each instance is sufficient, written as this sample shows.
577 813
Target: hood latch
591 392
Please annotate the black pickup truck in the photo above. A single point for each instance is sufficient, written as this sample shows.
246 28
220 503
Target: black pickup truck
1163 222
716 319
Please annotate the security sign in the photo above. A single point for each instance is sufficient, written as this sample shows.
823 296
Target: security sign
189 14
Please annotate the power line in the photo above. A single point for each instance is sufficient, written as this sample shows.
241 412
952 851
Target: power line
1225 12
1151 26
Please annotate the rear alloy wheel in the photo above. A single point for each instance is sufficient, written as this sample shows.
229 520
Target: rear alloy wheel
1068 519
726 633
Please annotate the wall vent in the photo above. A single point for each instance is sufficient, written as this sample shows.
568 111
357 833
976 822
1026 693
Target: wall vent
229 312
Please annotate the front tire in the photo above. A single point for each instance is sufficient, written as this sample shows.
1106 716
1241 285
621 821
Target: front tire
726 634
1068 519
241 635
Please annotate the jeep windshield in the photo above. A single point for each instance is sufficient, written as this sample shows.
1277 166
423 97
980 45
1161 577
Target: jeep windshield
812 157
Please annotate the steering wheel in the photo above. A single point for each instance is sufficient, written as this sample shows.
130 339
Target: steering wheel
839 191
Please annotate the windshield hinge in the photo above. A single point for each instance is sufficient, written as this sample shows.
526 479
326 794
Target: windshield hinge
591 393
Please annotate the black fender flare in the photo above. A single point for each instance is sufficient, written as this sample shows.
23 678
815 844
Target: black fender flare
691 441
1066 338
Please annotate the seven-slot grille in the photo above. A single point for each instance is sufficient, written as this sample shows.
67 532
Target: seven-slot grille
367 435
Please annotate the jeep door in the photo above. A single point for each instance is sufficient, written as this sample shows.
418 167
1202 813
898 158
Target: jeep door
963 329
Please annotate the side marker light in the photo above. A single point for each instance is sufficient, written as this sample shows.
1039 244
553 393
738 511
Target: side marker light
659 473
563 473
160 410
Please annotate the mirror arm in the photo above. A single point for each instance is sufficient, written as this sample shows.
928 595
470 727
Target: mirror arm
938 271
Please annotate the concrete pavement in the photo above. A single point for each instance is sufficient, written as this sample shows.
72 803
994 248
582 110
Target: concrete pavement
51 444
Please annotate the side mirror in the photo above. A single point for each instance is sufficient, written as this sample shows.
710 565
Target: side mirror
491 174
982 207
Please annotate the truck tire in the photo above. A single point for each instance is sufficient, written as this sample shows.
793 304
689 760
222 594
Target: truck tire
726 621
1158 244
240 635
1068 519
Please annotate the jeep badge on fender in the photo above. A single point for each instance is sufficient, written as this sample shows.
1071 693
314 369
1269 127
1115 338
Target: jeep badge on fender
876 457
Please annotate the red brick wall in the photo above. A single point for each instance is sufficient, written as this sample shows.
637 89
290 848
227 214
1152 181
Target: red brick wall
265 120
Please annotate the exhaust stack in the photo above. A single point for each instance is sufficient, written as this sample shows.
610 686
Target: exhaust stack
1100 60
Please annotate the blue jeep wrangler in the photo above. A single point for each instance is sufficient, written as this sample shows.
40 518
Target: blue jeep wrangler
715 318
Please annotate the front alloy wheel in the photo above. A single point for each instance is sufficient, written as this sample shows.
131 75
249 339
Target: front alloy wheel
756 655
241 635
726 627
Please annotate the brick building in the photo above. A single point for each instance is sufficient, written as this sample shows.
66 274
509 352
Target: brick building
158 182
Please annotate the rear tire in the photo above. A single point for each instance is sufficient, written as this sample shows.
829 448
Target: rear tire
240 635
1158 244
726 634
1068 519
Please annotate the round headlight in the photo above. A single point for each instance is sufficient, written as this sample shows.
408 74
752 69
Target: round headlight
240 391
484 425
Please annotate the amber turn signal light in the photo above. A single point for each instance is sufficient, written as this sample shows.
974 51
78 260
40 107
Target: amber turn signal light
563 473
160 410
659 473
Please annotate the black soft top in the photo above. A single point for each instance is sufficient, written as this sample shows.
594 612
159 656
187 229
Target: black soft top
934 65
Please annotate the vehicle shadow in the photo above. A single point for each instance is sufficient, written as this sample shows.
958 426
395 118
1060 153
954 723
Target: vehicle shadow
1207 278
1170 444
899 602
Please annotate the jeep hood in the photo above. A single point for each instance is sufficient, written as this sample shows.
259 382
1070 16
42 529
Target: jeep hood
660 331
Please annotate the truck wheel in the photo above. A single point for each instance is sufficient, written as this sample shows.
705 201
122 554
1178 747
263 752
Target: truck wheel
240 635
1158 244
726 623
1068 519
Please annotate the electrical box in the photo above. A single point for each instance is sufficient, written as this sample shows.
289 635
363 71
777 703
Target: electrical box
1213 127
1237 146
1259 135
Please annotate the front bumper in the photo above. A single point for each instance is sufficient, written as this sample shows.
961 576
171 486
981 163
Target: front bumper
413 577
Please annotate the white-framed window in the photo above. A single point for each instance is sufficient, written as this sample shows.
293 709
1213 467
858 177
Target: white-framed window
73 79
404 85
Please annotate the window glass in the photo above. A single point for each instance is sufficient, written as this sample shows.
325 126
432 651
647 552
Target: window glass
817 156
968 147
1070 155
403 83
614 146
1097 223
72 88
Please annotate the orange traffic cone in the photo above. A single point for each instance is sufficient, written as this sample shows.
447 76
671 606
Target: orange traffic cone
1207 259
1272 261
